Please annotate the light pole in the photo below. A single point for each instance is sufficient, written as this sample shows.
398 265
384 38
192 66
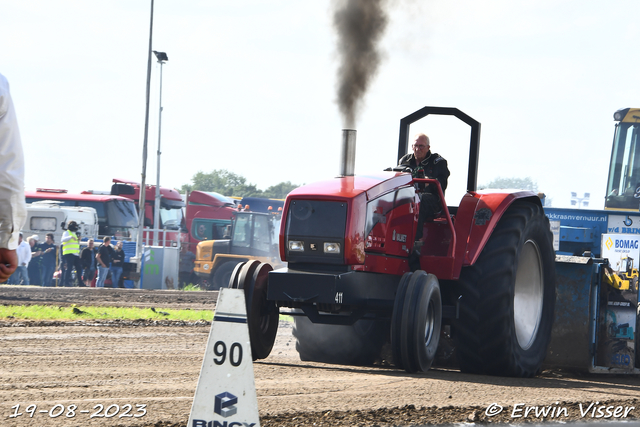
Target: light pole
143 176
162 58
581 202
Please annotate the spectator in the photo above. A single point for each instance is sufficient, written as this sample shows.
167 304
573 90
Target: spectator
104 261
117 261
48 265
13 211
71 253
21 275
185 273
88 259
35 265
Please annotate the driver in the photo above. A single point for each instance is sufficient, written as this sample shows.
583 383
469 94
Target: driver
425 164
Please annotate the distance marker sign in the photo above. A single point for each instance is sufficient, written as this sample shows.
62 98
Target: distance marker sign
226 391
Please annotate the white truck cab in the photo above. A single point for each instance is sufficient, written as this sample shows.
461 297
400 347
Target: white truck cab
49 216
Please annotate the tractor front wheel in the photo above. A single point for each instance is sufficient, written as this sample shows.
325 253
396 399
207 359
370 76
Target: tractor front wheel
508 297
262 315
416 322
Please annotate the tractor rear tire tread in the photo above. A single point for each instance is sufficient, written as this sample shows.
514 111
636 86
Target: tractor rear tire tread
485 336
359 344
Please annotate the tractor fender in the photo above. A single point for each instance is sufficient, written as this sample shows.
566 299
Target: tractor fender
476 218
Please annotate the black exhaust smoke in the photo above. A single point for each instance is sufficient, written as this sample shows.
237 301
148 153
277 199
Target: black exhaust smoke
360 25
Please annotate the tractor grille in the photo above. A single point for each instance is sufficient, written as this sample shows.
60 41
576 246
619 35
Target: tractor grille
315 231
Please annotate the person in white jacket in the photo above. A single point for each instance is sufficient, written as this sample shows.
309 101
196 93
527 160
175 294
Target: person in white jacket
21 275
13 211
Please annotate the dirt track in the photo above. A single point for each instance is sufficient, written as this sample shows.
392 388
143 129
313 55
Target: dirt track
157 365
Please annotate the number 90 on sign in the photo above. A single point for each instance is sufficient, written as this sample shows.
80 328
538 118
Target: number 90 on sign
234 354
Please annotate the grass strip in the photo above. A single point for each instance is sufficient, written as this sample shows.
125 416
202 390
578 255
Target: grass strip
73 312
49 312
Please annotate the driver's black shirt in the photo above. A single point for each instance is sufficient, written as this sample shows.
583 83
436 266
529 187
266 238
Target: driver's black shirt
433 166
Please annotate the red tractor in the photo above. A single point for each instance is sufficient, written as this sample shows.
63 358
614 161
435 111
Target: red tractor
486 272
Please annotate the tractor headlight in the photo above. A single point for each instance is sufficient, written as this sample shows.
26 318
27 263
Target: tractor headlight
205 267
296 245
331 248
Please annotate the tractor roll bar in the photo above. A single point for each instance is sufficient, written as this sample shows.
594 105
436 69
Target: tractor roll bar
474 146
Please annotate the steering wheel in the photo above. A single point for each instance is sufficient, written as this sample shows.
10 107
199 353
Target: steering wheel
399 168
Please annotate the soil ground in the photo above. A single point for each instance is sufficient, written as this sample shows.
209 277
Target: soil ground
157 364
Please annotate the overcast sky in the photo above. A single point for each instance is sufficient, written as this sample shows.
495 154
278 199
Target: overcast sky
250 87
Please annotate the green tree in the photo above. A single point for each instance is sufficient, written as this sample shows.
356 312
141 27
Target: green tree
280 191
515 183
221 181
230 184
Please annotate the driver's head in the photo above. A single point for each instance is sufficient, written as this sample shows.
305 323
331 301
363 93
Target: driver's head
420 146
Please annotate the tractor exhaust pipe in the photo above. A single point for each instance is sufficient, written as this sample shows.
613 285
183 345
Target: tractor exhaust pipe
348 152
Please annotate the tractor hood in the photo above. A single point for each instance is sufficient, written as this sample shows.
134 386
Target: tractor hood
348 187
333 211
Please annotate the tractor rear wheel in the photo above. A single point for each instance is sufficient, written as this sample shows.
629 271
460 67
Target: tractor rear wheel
416 322
262 315
358 344
508 297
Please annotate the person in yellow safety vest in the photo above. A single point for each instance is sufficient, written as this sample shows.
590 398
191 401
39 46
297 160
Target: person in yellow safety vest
71 254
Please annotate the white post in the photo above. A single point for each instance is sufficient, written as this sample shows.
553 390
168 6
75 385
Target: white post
139 243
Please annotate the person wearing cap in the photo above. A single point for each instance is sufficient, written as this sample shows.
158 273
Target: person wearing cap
21 275
71 254
35 265
13 211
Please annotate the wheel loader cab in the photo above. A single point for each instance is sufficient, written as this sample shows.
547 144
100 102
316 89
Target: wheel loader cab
252 235
255 234
623 186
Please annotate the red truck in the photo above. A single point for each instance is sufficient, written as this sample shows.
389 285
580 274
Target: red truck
207 216
117 216
204 216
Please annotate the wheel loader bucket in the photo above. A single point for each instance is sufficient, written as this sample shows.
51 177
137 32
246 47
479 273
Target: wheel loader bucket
595 327
577 279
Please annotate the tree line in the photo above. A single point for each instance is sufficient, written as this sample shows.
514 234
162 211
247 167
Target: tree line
516 183
231 184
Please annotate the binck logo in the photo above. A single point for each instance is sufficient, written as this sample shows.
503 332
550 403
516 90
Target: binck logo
225 404
204 423
609 243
